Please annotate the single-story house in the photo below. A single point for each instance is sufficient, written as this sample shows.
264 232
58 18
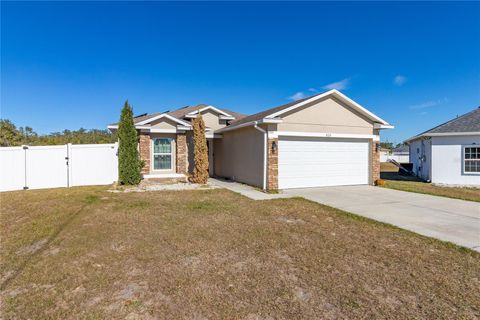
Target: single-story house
450 152
323 140
401 154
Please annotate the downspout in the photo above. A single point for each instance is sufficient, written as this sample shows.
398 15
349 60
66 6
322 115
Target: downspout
255 125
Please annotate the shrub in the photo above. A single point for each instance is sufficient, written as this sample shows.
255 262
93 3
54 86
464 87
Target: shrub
200 169
129 164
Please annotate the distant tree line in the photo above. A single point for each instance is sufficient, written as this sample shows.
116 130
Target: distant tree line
390 145
11 136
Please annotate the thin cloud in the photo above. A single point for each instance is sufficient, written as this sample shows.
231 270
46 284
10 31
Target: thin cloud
339 85
399 80
297 96
312 90
428 104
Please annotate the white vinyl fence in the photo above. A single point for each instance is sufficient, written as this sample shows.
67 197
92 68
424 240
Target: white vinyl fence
38 167
398 158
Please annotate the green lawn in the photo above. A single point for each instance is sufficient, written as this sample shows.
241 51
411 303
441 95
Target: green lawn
85 253
389 173
471 194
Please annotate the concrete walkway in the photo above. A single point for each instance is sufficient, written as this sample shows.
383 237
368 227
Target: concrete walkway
457 221
246 190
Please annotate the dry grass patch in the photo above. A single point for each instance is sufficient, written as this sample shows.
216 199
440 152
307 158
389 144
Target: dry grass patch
388 167
393 180
216 254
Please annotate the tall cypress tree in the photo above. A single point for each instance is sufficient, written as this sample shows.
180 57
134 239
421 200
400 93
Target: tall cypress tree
129 164
200 169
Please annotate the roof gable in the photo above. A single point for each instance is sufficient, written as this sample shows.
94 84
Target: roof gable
280 110
164 115
469 123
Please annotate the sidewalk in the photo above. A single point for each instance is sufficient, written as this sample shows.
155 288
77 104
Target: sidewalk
246 190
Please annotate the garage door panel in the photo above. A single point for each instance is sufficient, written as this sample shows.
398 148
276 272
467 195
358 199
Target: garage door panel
322 162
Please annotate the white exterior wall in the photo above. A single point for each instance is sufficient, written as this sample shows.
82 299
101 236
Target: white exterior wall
420 157
447 160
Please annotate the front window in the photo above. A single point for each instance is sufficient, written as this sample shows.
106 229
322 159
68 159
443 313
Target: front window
162 154
471 159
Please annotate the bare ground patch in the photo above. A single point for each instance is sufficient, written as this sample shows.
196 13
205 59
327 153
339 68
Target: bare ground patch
214 254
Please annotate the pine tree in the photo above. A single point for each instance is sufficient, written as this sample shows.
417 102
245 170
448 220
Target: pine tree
129 164
200 169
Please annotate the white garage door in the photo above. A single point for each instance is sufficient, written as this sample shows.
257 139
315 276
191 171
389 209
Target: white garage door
312 162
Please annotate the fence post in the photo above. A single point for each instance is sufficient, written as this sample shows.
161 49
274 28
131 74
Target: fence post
68 162
25 184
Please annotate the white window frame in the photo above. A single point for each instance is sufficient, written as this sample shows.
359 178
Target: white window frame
171 154
463 159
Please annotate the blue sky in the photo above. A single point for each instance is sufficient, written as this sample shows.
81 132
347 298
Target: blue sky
71 65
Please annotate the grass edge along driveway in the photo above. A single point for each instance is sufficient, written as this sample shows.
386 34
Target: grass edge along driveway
217 254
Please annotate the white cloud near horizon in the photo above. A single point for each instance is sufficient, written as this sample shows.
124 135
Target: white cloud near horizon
297 96
428 104
399 80
339 85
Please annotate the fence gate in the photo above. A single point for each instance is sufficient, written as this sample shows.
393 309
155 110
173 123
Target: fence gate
38 167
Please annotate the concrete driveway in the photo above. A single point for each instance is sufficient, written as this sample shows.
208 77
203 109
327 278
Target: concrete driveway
457 221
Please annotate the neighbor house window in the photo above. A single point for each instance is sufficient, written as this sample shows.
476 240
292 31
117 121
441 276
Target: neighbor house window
162 154
471 159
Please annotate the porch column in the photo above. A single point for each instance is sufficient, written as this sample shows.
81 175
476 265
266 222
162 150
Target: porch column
181 154
144 150
272 164
375 153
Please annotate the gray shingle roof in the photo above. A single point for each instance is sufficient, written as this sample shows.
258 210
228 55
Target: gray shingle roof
180 113
402 148
469 122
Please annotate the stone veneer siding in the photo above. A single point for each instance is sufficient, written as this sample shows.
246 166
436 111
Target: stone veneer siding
375 161
144 149
182 162
272 166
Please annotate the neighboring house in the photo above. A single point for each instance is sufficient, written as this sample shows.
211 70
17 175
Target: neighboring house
324 140
450 152
401 154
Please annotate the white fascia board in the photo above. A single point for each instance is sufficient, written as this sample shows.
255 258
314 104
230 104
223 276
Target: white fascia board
339 95
222 117
275 134
247 124
382 126
164 115
184 128
155 130
446 134
208 108
115 127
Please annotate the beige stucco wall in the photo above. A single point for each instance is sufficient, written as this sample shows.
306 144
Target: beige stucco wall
326 116
239 156
212 121
164 123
